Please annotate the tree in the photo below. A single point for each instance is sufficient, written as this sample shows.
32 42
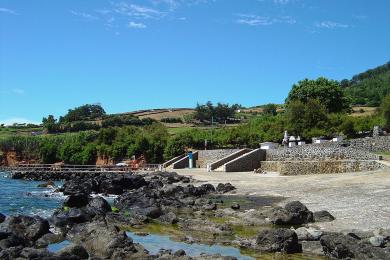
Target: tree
385 110
50 124
327 91
85 112
306 119
270 109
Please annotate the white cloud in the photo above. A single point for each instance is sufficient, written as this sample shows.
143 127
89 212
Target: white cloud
136 25
18 91
137 11
282 2
331 25
84 15
253 20
7 11
18 120
256 20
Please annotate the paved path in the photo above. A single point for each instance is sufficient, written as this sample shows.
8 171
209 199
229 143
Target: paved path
357 200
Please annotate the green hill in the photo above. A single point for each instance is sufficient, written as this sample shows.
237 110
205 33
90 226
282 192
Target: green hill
368 88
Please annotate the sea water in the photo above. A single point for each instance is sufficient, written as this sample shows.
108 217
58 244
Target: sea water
20 197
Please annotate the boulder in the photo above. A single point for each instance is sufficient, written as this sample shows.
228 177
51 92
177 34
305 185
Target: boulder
98 206
169 218
48 239
323 216
278 240
77 200
33 253
204 189
377 241
2 218
235 206
48 184
308 234
179 253
210 207
73 250
70 217
30 228
10 253
224 188
339 246
104 241
294 213
11 240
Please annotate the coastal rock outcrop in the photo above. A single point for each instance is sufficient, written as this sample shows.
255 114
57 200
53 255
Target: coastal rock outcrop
28 228
278 240
294 213
2 218
323 216
340 246
105 241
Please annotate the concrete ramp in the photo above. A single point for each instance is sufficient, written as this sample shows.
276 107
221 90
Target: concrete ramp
184 162
169 163
217 164
246 162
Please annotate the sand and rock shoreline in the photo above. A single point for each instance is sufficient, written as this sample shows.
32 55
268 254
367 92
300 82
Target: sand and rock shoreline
183 208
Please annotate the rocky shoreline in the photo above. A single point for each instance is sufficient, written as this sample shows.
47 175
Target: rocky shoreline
175 205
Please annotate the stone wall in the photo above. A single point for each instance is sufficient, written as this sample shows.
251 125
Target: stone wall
210 156
319 152
320 167
377 144
247 162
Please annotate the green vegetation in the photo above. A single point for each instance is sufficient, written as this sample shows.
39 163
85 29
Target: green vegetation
328 91
313 108
114 209
368 88
219 113
90 117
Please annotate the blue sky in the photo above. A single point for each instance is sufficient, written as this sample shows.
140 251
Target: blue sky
129 55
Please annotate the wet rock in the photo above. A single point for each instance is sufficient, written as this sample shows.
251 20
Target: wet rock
294 213
341 246
105 241
11 240
73 250
308 234
70 217
377 241
323 216
33 253
48 239
77 200
169 218
10 253
48 184
210 207
180 253
312 247
278 240
30 228
235 206
98 206
338 245
2 218
204 189
224 188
